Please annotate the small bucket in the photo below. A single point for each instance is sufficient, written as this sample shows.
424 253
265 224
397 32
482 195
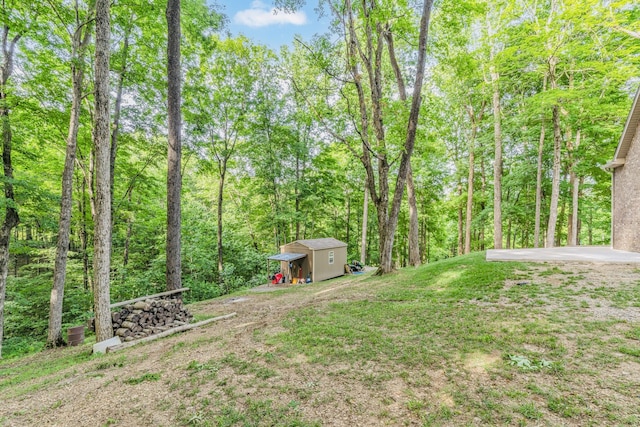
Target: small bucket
75 335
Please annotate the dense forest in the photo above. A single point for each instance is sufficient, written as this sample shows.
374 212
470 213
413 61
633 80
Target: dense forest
498 130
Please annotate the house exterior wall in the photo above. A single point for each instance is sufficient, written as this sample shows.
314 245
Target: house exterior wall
626 200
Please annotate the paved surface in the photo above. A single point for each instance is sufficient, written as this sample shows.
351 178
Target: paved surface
564 254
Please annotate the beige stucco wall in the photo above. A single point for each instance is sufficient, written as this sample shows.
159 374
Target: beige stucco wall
626 200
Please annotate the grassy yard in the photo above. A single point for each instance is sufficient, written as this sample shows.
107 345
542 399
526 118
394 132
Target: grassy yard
458 342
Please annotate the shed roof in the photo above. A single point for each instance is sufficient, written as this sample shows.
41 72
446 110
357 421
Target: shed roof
287 257
627 135
319 244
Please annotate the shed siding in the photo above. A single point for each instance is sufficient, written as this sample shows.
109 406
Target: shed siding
626 200
317 261
305 263
324 270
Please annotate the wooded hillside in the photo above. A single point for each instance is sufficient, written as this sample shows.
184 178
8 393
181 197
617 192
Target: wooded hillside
521 105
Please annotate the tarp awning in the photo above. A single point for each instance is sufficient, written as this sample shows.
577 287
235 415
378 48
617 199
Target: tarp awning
287 257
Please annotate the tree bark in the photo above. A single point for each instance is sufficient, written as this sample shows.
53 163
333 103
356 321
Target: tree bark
414 232
460 248
470 177
575 189
555 185
84 235
365 217
412 126
80 40
117 110
414 226
174 178
536 241
11 217
102 143
219 217
497 164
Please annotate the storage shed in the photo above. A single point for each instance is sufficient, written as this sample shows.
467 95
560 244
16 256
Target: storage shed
317 259
625 191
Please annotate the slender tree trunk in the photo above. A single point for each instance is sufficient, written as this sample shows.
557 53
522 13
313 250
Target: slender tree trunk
470 177
348 231
174 178
11 217
497 165
80 40
412 126
219 218
297 196
561 219
365 216
460 249
536 232
414 231
127 240
469 211
575 189
483 191
555 186
116 111
101 134
84 236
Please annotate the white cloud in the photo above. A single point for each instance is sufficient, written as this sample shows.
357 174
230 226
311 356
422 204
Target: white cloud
260 15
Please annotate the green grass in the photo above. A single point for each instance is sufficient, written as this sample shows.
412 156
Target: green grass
255 412
142 378
20 376
457 342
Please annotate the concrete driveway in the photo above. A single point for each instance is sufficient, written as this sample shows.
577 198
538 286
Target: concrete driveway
565 254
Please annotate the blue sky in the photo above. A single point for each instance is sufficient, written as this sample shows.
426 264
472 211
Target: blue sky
256 19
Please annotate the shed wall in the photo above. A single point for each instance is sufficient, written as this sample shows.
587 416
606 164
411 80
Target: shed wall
626 200
324 270
305 263
317 261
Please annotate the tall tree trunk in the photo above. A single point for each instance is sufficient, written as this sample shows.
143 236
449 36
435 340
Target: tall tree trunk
11 217
219 218
460 249
365 217
412 126
497 164
84 236
348 230
414 230
575 188
127 240
483 192
101 134
555 186
470 177
536 237
469 211
80 40
297 196
174 178
117 109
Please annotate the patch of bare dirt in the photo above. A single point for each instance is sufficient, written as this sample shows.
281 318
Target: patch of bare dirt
191 379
